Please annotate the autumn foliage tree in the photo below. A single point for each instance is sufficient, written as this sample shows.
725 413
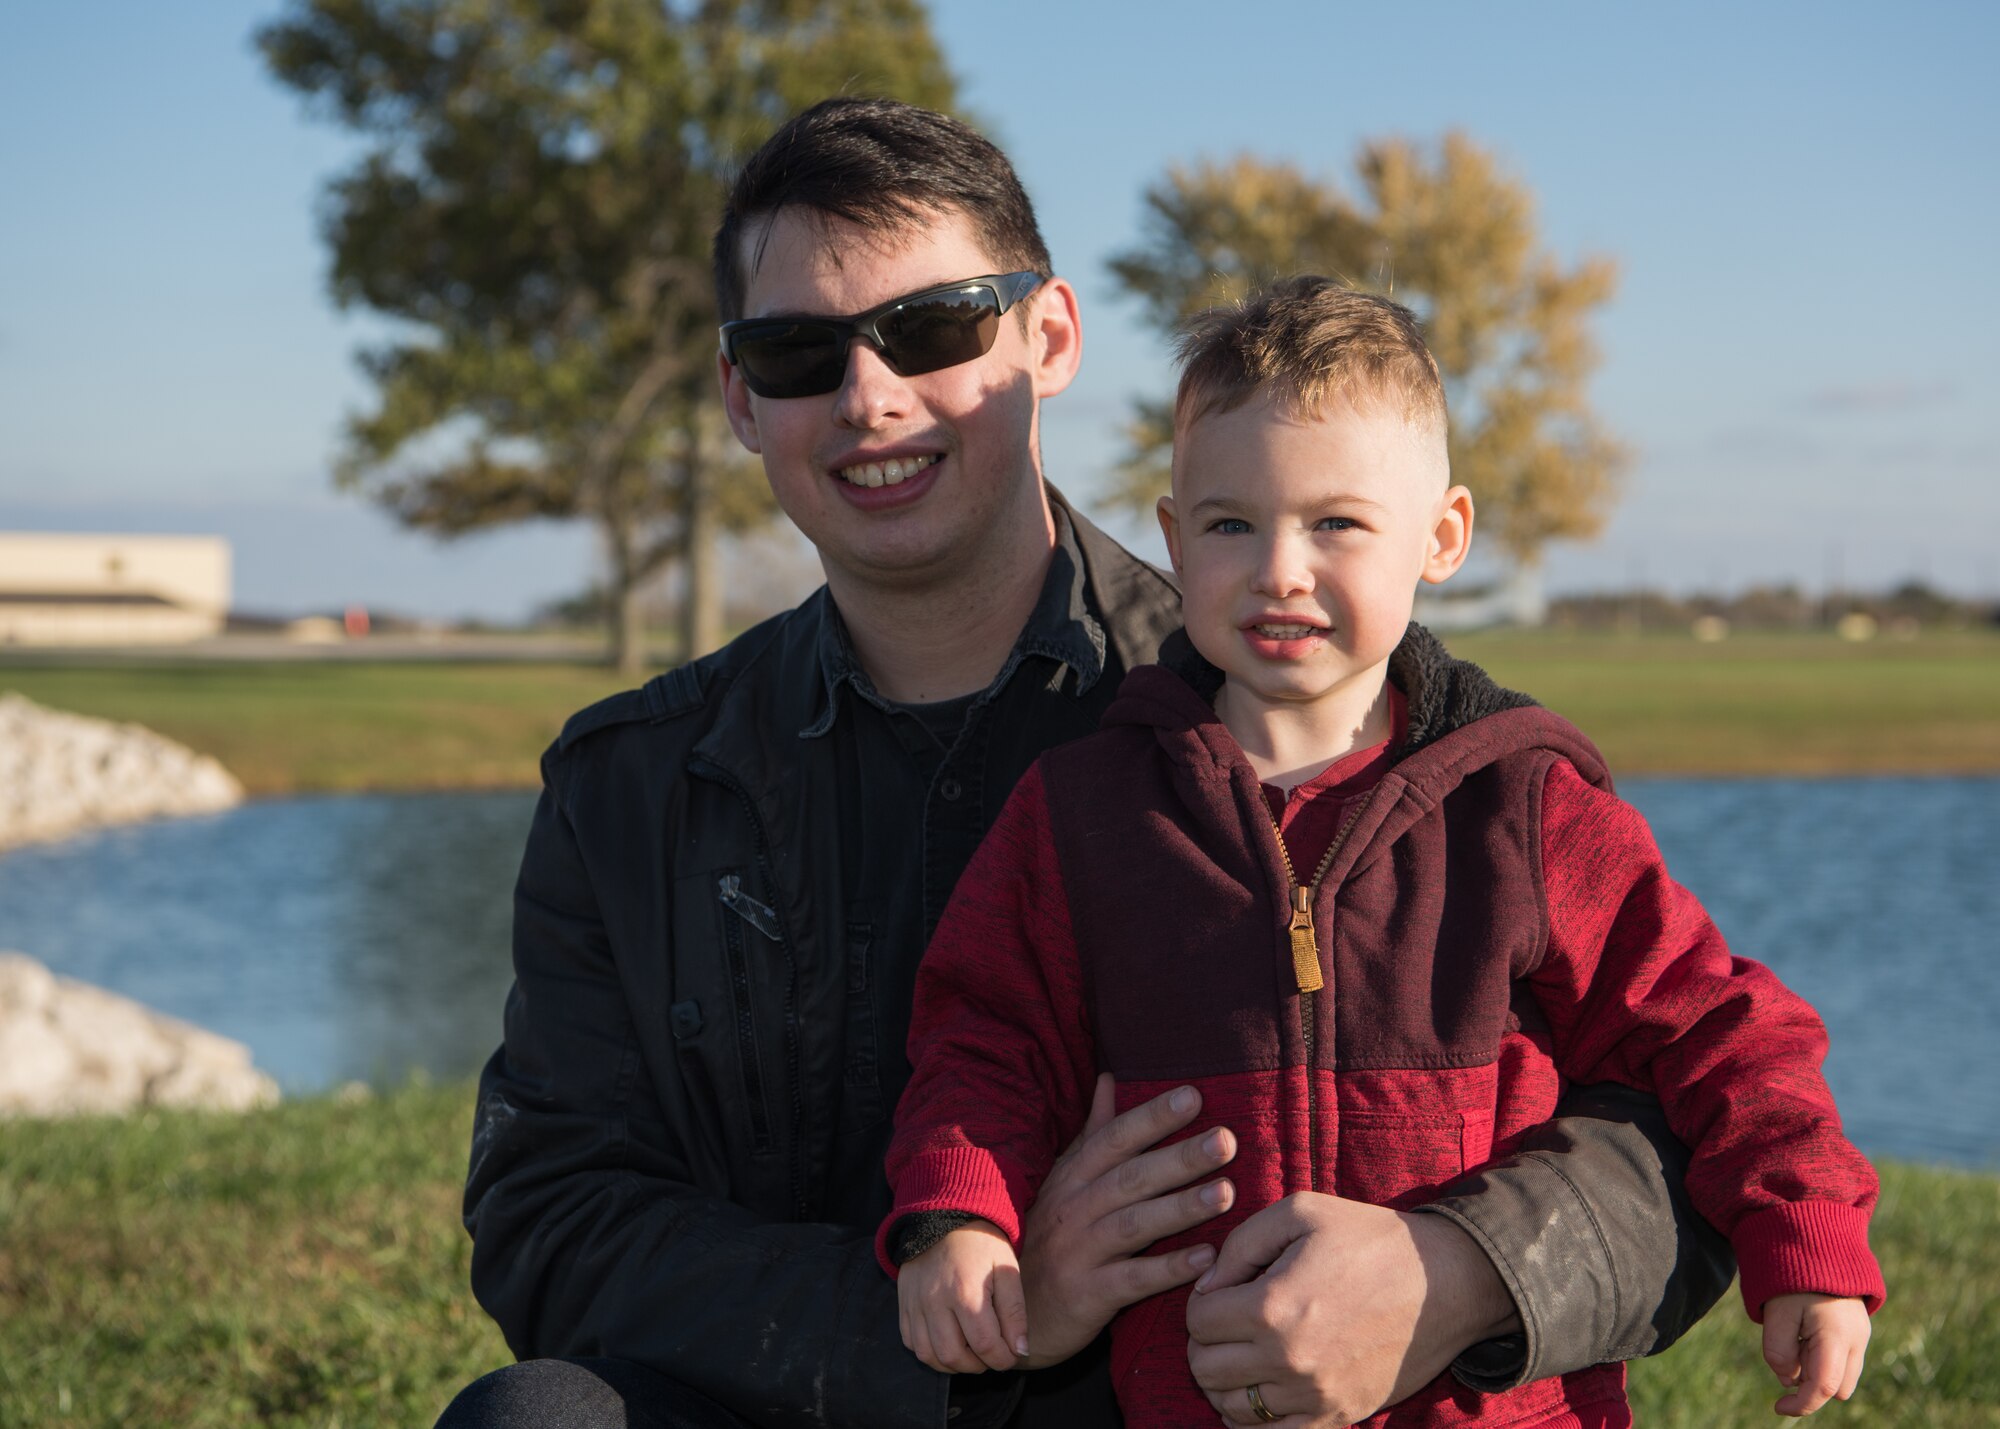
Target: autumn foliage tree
534 211
1444 230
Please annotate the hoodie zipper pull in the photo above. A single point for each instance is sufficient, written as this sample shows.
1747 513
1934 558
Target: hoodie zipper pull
1305 947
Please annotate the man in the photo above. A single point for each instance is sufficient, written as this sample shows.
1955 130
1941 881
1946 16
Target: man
676 1162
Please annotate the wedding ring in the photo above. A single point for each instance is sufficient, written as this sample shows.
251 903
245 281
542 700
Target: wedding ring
1260 1408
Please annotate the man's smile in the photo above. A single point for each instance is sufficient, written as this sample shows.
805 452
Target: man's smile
892 472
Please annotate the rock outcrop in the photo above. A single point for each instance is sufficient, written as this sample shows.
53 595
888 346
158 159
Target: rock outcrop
67 1047
63 773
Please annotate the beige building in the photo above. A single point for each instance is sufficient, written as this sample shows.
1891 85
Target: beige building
111 590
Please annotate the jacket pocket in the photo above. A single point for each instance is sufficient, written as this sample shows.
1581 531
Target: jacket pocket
1401 1159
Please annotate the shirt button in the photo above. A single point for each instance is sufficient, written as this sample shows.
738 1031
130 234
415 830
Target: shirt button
951 789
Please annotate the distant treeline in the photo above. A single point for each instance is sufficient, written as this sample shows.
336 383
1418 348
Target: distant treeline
1909 607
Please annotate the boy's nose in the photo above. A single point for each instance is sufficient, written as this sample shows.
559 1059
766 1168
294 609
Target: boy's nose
1283 570
872 392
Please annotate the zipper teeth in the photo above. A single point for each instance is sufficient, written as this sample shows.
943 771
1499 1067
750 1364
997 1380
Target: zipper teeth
1306 1015
1326 859
746 1030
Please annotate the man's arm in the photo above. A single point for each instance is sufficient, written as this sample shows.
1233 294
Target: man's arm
1590 1227
589 1236
1563 1256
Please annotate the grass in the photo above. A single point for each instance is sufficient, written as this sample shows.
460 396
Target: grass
1930 1360
287 727
304 1266
1754 704
299 1266
1764 704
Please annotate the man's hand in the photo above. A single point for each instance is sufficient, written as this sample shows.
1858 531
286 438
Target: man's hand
1334 1308
1815 1345
1106 1199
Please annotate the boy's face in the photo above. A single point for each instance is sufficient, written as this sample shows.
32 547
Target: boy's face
964 438
1299 541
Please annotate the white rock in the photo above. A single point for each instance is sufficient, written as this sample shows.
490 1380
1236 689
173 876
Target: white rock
63 773
67 1047
25 985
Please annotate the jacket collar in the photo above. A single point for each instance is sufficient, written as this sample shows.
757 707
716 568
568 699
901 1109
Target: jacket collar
767 690
1060 628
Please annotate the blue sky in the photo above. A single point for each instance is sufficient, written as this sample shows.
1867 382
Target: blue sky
1801 199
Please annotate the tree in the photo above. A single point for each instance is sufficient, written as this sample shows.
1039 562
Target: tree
1444 231
535 209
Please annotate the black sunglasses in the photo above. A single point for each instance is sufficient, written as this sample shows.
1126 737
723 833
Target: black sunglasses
920 332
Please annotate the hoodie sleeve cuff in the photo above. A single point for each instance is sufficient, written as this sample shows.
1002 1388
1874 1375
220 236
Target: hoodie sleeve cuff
1817 1247
959 1179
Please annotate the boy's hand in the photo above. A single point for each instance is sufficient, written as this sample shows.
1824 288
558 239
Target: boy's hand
961 1305
1814 1343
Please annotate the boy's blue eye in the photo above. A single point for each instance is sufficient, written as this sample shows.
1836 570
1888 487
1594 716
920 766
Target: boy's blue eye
1231 526
1336 523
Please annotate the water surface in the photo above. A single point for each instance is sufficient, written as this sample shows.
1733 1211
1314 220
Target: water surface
365 936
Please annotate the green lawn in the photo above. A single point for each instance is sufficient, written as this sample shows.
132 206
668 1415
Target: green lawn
1764 704
304 1266
299 726
1754 704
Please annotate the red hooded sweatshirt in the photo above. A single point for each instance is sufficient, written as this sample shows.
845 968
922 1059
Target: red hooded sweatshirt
1490 921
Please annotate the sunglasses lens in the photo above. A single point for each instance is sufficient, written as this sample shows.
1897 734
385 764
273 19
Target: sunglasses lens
940 331
808 358
792 359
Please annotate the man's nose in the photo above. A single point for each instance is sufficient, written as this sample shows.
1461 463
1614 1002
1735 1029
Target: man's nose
872 392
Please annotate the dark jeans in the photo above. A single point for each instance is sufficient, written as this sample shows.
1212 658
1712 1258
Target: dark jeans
582 1394
616 1394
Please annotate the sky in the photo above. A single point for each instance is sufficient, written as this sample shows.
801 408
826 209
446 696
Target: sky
1800 199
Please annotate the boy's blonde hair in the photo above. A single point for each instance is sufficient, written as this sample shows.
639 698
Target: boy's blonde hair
1312 341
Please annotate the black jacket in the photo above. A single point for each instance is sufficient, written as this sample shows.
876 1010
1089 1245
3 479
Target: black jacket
653 1139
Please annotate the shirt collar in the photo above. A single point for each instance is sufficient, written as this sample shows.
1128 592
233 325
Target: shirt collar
1061 629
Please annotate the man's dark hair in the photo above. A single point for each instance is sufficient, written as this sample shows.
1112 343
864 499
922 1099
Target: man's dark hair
878 163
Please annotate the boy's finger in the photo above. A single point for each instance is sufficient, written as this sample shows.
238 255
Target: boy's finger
1781 1341
1819 1378
1010 1302
952 1355
983 1340
917 1336
1851 1380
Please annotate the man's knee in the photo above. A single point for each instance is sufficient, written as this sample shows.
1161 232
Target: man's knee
581 1394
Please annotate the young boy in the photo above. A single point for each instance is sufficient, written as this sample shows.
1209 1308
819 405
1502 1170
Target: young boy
1376 907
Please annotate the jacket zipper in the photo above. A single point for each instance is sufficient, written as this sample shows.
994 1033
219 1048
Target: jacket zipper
797 1168
1305 965
746 1031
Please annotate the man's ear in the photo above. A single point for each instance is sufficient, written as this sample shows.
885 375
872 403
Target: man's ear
1055 336
1170 527
736 402
1451 536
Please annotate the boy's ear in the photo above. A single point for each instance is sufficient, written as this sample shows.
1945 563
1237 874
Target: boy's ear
1451 536
1170 527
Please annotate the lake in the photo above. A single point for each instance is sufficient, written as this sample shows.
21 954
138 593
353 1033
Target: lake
365 936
